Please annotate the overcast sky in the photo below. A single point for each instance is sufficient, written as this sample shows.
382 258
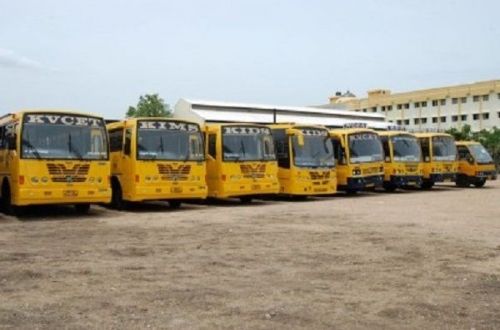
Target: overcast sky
99 56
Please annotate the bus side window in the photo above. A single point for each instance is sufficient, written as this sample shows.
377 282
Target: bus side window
463 153
3 143
424 144
212 145
116 140
338 151
127 147
10 136
387 151
281 148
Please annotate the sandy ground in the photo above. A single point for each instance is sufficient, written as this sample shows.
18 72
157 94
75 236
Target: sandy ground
410 259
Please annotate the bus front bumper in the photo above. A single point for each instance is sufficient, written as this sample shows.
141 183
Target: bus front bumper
155 193
443 177
246 189
405 180
489 175
66 195
356 184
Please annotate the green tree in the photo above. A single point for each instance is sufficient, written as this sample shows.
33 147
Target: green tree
150 105
463 134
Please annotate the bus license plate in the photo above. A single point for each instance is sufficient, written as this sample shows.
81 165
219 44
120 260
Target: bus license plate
176 190
320 189
70 193
255 186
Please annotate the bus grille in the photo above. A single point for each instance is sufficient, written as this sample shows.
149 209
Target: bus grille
371 170
411 168
319 175
253 172
169 173
60 173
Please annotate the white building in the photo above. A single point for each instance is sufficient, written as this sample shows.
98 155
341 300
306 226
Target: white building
476 104
211 111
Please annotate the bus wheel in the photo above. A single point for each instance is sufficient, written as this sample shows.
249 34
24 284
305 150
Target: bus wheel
427 184
479 183
7 206
461 182
117 196
82 208
389 187
246 199
174 204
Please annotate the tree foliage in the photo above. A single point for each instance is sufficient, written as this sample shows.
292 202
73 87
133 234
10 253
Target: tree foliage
490 139
150 105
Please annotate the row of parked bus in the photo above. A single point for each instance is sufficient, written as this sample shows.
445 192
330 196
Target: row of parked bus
75 158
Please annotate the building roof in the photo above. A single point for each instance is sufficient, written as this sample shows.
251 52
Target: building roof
215 111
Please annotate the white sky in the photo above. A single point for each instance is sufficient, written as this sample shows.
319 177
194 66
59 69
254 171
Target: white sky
99 56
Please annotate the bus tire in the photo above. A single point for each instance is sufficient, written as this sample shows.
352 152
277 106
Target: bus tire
82 208
389 187
117 201
7 206
427 185
174 204
479 183
462 182
246 199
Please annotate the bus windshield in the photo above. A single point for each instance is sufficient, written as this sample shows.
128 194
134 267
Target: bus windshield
365 147
443 148
247 143
480 154
317 151
63 136
169 140
406 148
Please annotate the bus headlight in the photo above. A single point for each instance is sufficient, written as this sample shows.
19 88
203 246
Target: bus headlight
45 179
34 179
148 178
356 171
99 179
155 178
91 179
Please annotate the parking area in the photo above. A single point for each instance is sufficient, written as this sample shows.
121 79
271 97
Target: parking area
413 259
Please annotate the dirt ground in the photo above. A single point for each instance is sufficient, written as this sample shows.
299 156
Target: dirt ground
409 259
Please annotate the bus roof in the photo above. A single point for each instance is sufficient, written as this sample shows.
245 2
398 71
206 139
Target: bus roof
431 134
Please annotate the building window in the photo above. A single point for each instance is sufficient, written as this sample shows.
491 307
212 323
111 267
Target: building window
423 120
443 119
454 100
417 121
434 120
486 115
383 108
424 104
498 95
486 97
399 106
463 100
442 102
364 110
374 109
434 103
475 116
454 118
407 105
464 117
389 107
400 122
475 98
417 104
407 122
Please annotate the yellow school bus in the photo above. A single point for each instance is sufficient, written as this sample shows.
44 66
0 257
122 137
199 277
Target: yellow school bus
403 160
49 157
305 159
475 164
156 159
360 156
439 155
241 162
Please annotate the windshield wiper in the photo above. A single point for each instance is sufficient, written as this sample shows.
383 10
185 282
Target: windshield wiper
34 151
242 149
72 149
